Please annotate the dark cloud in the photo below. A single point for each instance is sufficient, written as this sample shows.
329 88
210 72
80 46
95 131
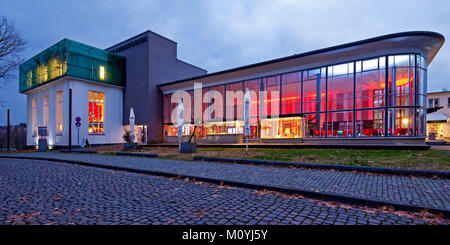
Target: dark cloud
217 35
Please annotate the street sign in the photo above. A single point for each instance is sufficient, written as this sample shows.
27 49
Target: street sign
78 122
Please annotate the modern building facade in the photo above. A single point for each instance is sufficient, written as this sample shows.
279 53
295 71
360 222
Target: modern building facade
371 91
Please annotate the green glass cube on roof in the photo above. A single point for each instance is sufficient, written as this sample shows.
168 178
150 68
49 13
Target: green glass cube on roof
68 58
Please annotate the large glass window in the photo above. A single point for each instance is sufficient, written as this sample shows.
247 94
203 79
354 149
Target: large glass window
314 90
400 121
421 122
56 68
254 86
369 123
370 83
271 106
59 112
340 124
340 87
291 93
231 127
234 107
290 127
96 112
401 80
315 125
380 96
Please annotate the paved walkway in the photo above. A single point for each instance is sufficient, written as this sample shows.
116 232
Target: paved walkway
43 192
423 192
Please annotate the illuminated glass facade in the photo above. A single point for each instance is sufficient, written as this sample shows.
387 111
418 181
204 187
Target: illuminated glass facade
72 59
376 97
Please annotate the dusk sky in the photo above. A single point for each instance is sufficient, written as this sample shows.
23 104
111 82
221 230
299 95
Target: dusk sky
218 35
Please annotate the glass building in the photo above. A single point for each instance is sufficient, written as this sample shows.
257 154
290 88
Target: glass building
69 58
380 95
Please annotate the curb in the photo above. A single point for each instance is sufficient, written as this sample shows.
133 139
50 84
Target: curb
136 154
78 151
381 170
298 146
312 194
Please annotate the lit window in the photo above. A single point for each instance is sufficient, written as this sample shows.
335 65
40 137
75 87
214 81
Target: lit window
96 112
42 73
102 73
29 78
55 68
59 112
34 116
45 111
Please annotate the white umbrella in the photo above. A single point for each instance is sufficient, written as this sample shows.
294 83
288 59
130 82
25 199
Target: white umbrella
180 120
132 117
247 116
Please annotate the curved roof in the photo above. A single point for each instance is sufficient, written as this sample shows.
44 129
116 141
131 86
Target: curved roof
428 42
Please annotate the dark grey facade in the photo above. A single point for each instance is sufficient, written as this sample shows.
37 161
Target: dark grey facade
151 60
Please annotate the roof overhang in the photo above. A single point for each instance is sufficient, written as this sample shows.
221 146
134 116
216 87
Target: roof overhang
425 43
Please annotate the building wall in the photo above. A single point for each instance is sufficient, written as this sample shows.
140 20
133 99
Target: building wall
149 64
113 112
356 100
443 101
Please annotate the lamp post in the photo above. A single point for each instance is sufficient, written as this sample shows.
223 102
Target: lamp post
70 119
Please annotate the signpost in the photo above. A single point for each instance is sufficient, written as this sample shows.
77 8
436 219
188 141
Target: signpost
78 125
246 117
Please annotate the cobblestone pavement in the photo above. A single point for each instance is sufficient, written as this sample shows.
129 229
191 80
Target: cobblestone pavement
43 192
424 192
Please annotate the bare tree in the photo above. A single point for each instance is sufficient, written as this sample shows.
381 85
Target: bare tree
11 45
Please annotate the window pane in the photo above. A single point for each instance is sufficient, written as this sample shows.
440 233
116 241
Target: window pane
400 122
369 123
370 89
315 125
370 64
254 86
401 60
340 91
96 116
314 91
401 91
59 112
271 105
291 93
420 125
281 128
340 124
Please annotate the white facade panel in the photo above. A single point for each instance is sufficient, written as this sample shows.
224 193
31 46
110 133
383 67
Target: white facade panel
113 112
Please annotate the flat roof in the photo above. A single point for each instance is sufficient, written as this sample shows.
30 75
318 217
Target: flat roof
440 92
431 51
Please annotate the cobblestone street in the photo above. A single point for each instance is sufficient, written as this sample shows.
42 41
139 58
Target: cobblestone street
424 192
42 192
